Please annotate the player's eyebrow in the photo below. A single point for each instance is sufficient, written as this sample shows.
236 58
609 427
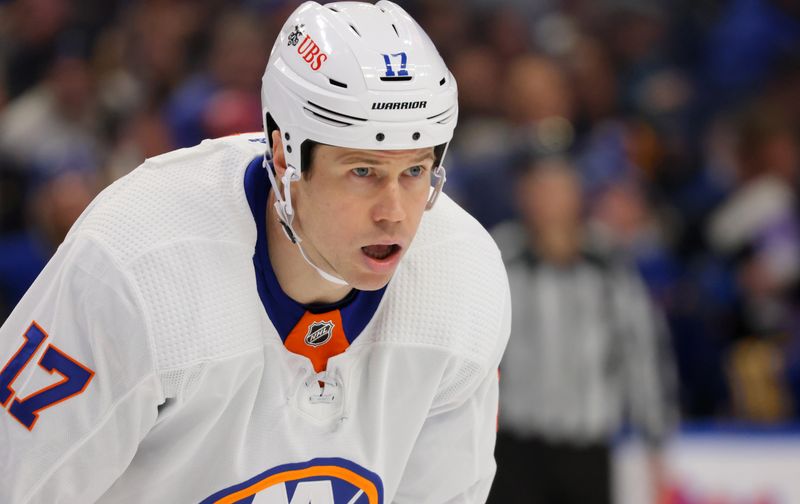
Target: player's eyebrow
363 158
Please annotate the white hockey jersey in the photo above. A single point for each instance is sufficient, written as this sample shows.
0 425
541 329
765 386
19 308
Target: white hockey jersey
143 367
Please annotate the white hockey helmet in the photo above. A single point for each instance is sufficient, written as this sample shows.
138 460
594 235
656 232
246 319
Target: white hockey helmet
357 75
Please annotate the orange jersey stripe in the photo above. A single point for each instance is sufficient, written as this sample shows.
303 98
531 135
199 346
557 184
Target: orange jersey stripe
332 471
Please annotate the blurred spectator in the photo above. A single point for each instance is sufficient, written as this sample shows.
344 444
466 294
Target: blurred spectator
482 128
54 204
747 40
447 23
159 49
586 346
28 37
623 221
224 98
757 228
55 123
756 232
538 106
537 91
506 32
51 152
596 87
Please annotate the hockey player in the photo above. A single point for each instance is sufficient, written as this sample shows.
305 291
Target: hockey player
232 323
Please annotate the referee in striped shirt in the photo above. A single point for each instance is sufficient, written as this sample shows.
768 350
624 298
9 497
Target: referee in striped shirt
587 348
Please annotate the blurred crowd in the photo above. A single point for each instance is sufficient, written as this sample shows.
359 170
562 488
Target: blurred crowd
680 118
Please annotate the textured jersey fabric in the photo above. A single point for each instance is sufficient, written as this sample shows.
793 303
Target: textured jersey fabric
174 386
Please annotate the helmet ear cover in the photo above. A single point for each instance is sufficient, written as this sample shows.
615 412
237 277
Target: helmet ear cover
271 126
306 148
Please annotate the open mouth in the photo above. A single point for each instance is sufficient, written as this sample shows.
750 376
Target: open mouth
380 252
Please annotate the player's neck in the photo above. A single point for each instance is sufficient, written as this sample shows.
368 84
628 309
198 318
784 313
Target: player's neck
296 277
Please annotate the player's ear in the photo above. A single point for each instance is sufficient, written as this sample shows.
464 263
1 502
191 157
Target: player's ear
278 157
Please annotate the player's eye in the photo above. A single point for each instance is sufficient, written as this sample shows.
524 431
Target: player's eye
361 171
415 171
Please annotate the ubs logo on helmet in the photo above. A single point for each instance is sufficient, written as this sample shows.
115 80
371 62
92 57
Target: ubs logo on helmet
308 49
318 481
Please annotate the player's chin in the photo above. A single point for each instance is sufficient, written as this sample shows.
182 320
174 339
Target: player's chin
370 282
366 280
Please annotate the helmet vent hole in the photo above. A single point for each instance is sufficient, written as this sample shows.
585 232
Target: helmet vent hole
415 136
289 149
441 82
337 83
395 30
354 30
379 137
333 9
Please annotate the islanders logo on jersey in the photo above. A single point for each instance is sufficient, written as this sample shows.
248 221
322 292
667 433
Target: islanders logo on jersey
318 481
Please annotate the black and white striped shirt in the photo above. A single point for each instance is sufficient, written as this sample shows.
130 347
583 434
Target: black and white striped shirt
586 346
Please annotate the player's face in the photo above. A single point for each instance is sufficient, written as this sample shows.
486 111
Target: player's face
358 210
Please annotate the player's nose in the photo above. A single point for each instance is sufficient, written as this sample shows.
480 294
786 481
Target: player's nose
389 204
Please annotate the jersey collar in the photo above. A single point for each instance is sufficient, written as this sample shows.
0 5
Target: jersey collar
357 308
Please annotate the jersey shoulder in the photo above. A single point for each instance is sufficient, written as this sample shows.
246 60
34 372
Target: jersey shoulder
195 193
451 290
180 228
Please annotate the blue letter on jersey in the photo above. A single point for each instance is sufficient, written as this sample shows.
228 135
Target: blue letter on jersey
34 337
75 379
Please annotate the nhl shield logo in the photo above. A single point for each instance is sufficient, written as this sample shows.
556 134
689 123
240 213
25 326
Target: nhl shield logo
319 333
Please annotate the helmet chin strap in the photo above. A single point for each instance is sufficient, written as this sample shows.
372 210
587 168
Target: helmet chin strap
283 206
